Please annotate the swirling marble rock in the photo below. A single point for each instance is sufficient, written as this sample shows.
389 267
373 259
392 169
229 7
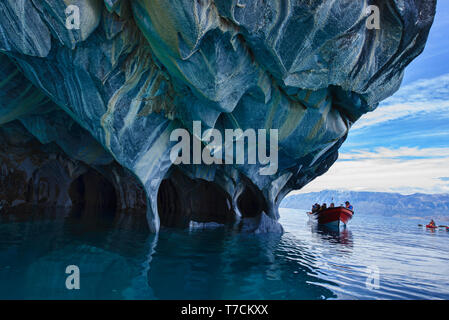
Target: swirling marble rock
110 93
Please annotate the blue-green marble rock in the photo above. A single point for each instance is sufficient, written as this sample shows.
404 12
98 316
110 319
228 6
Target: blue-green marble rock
110 93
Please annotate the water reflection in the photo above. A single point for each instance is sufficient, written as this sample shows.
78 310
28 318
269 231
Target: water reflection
221 265
332 236
36 248
119 259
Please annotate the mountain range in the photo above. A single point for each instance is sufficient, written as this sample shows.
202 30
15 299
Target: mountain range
416 205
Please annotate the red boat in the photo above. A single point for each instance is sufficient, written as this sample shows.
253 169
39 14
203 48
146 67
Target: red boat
332 216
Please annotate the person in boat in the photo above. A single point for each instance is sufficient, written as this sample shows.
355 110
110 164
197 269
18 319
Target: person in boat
315 208
432 223
324 206
349 206
332 205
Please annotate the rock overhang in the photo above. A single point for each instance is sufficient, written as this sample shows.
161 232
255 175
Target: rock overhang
137 70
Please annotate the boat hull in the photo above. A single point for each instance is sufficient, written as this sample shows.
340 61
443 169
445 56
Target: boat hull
332 217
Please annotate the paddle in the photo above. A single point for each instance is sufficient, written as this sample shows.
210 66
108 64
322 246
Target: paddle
442 226
420 225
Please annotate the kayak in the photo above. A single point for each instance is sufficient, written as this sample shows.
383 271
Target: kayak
431 227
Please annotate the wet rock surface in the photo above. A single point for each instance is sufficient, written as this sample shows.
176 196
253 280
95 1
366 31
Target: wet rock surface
103 99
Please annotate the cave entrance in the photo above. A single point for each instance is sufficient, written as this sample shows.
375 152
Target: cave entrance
181 200
92 192
251 202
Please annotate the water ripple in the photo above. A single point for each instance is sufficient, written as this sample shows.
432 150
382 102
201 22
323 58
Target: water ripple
123 261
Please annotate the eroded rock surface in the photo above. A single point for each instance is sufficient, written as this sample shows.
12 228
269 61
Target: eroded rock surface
108 95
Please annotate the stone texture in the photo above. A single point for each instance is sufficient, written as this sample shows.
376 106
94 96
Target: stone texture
109 95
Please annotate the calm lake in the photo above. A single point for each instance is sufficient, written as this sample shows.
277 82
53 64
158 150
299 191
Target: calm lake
374 258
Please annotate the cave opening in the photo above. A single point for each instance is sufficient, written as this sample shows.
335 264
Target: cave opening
251 203
247 205
182 200
91 192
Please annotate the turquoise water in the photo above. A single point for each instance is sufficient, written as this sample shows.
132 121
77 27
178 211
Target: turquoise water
118 259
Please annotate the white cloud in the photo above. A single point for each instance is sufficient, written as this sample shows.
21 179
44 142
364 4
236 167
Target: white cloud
386 153
405 170
423 96
384 171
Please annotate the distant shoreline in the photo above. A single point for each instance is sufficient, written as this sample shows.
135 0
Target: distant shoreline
417 205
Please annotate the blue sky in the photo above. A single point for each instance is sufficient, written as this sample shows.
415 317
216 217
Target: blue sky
403 146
